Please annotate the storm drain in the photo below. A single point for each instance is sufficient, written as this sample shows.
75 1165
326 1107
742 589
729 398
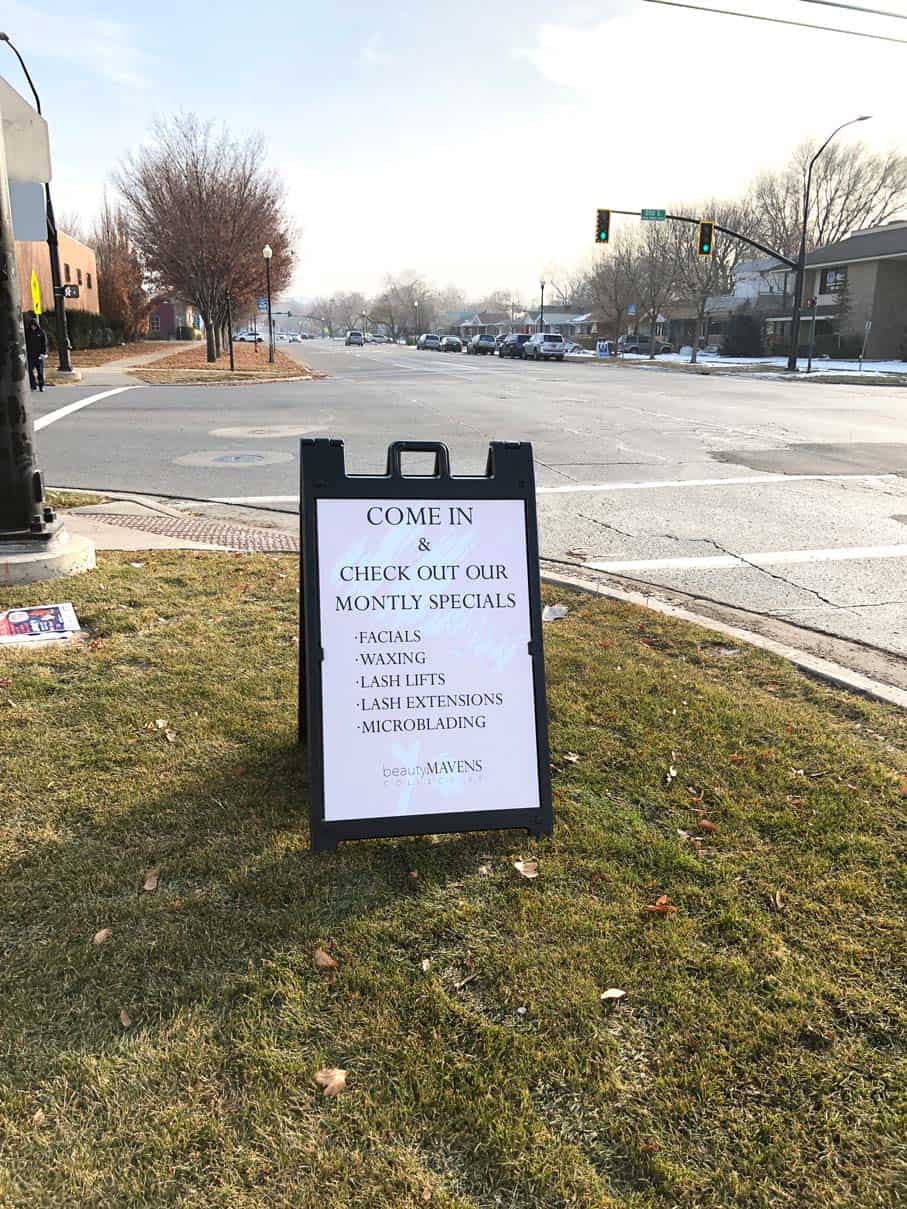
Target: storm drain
234 537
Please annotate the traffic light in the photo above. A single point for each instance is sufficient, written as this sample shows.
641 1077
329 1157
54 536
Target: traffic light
602 225
706 238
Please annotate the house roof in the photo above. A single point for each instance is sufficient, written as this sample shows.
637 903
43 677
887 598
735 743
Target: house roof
758 264
871 244
562 317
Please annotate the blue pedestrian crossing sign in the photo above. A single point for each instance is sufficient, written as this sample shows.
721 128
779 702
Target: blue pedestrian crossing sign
261 304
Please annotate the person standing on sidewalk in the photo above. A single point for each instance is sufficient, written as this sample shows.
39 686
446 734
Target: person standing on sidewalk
36 350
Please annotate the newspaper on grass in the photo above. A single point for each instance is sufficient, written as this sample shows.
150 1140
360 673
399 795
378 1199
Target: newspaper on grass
38 623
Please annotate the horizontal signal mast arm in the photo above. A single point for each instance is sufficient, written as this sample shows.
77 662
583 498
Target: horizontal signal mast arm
791 264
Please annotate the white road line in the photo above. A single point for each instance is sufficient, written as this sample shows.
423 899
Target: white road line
62 412
763 558
653 485
741 480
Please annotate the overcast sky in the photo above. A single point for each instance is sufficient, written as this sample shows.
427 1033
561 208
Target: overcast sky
470 141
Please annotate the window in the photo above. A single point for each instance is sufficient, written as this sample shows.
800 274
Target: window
79 276
833 280
155 323
66 276
88 280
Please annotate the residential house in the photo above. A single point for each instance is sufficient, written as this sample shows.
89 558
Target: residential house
860 287
77 267
571 323
173 319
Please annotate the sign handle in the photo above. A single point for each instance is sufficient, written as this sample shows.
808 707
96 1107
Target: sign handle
442 457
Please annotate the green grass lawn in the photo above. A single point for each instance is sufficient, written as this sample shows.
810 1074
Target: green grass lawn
757 1058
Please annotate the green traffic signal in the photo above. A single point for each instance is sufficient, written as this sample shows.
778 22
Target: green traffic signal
706 238
602 225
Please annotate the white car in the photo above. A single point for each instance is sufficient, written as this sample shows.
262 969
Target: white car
544 345
248 338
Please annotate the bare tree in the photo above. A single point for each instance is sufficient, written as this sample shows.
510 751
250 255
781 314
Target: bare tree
613 285
852 187
201 206
656 270
406 303
697 278
121 275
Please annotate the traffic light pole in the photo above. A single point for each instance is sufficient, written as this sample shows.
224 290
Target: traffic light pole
24 517
53 243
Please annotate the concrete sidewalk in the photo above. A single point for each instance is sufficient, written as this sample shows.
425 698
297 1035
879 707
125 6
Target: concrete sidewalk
116 373
140 523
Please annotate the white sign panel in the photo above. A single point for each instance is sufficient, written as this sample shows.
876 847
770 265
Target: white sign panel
427 682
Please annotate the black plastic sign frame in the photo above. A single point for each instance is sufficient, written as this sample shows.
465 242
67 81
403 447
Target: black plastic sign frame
509 476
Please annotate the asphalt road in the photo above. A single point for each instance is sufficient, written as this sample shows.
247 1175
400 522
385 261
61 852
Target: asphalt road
784 497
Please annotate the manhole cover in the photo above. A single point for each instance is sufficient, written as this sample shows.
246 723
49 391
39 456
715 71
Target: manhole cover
230 459
267 431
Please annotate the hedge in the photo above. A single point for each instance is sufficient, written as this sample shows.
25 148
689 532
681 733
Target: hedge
86 329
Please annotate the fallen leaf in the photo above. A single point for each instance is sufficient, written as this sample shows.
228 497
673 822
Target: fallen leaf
458 986
554 612
170 736
735 757
527 869
684 835
614 994
521 1011
125 1018
778 900
151 877
484 870
332 1079
104 934
413 874
661 906
426 1195
137 566
324 961
426 964
707 825
39 1117
161 723
902 788
571 757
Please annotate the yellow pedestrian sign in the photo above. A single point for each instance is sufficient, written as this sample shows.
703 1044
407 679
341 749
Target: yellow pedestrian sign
35 293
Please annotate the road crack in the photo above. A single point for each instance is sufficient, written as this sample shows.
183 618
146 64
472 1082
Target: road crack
604 525
709 541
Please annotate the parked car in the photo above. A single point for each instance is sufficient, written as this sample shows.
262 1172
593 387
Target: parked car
512 346
544 345
248 338
481 344
451 344
642 344
354 337
429 340
379 339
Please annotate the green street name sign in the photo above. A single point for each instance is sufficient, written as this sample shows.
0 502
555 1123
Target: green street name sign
652 215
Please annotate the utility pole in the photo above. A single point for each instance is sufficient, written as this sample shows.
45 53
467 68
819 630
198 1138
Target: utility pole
53 245
542 308
230 329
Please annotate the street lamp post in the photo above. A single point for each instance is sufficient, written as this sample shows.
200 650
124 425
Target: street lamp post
53 245
801 257
542 309
415 320
267 254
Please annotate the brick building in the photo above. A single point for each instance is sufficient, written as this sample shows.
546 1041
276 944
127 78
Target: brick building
77 267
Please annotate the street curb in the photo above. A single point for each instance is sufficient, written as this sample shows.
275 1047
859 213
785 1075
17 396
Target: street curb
812 665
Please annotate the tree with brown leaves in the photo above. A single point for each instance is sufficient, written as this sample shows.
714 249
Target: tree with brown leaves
201 206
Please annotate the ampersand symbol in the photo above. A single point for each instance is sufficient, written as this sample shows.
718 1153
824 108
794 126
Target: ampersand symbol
423 544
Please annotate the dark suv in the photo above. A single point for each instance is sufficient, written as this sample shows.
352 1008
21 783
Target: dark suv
512 346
